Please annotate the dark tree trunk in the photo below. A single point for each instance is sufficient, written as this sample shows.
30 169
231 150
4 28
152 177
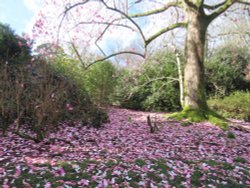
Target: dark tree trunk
194 83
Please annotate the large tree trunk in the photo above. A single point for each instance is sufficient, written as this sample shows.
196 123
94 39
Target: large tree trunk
194 83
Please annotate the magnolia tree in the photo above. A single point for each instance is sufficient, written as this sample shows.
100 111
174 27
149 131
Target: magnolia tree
97 25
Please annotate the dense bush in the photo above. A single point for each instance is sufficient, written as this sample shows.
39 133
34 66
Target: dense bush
149 86
13 48
236 105
98 80
14 51
226 71
35 95
153 86
41 99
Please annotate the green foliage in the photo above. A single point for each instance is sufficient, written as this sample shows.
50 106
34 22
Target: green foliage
199 115
149 88
186 123
13 48
226 71
195 178
14 53
98 80
230 135
236 105
140 162
153 86
192 115
40 98
240 160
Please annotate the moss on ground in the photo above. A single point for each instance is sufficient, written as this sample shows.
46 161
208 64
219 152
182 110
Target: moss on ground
199 115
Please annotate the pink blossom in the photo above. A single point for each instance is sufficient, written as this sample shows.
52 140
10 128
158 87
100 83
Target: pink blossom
69 107
229 160
47 185
52 163
20 44
62 172
2 170
18 172
84 182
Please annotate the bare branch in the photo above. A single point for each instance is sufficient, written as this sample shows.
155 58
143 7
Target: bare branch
169 28
226 5
244 2
67 9
116 54
170 80
126 16
213 7
77 53
156 11
106 23
232 33
100 36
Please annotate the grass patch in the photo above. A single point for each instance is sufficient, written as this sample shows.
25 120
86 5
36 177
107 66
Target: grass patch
186 123
198 115
240 160
123 174
153 176
195 178
177 181
211 162
230 135
140 162
236 105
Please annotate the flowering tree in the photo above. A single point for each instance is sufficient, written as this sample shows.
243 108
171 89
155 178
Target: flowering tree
142 18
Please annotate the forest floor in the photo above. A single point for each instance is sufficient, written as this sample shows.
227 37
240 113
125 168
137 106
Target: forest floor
123 153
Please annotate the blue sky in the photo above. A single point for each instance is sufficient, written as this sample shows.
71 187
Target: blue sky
18 14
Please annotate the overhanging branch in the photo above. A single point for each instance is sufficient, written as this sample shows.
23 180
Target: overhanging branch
244 2
67 9
169 28
226 5
213 7
105 23
127 17
116 54
157 11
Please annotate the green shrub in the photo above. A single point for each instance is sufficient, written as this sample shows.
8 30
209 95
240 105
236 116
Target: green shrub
236 105
14 53
153 86
225 71
13 48
40 98
98 80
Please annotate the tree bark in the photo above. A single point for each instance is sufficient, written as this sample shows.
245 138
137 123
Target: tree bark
194 83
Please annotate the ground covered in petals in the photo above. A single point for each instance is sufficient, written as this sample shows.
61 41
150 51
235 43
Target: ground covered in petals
123 153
